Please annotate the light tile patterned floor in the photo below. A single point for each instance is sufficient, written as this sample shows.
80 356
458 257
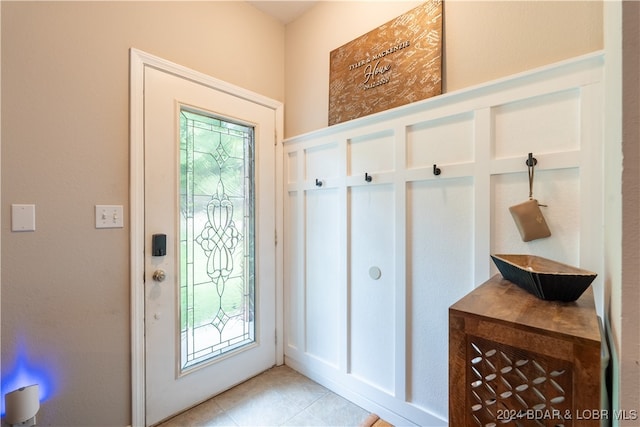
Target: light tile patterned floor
278 397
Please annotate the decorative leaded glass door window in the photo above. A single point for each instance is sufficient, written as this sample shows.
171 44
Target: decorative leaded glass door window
217 278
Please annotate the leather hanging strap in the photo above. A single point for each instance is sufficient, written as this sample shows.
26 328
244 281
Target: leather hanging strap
531 166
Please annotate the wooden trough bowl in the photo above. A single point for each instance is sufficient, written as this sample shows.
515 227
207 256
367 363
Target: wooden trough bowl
544 278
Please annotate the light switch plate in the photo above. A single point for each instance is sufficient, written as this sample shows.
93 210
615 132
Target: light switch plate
23 217
109 216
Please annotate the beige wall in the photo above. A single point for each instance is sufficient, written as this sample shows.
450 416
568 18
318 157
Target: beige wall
625 317
65 295
482 41
65 117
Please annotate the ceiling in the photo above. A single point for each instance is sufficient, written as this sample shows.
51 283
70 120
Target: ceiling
283 11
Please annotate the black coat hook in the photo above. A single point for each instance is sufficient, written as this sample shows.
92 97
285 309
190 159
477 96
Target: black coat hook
318 183
367 177
531 161
436 170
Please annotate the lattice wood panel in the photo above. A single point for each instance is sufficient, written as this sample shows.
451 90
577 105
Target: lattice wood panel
514 387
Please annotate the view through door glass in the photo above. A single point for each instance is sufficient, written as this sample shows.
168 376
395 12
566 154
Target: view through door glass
216 237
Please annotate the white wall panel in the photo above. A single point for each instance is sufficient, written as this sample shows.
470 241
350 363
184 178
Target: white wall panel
559 189
322 258
320 162
545 124
372 302
440 141
291 167
294 286
371 153
384 343
439 272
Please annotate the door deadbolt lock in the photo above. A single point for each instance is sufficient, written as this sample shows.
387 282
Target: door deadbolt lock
159 275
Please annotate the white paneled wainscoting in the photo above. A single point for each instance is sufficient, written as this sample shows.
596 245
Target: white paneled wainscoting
378 245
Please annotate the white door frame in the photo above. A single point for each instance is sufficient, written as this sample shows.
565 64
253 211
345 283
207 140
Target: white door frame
138 61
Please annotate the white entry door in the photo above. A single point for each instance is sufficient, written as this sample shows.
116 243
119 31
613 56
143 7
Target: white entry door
209 221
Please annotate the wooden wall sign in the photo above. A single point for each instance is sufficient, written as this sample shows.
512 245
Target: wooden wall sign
395 64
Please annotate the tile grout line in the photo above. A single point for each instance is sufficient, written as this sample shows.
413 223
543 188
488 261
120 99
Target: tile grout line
326 391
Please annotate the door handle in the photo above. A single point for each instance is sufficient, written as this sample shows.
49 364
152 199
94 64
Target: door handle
159 275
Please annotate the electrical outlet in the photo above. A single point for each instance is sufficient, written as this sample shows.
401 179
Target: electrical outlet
109 216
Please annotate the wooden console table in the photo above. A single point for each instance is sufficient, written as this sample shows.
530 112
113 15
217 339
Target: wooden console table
515 357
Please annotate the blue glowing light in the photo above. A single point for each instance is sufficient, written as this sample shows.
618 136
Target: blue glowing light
25 373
